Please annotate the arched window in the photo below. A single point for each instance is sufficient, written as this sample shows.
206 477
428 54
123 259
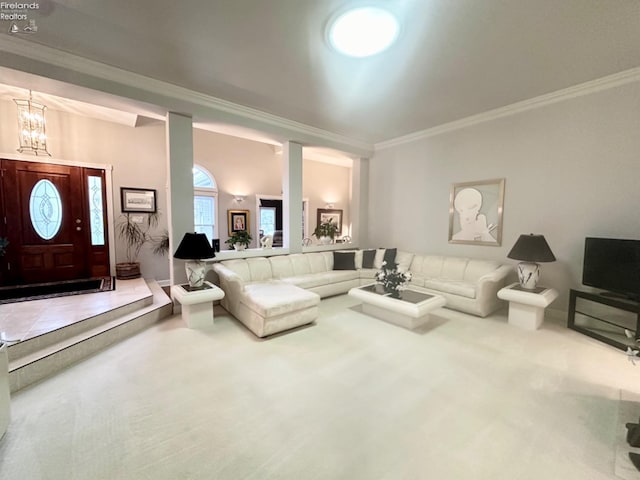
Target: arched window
205 202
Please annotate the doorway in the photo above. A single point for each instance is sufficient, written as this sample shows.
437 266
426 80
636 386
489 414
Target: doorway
269 218
55 222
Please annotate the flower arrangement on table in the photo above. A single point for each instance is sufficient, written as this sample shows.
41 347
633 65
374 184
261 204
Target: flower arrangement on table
392 280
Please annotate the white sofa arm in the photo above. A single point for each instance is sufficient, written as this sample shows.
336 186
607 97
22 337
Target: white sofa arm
230 281
490 283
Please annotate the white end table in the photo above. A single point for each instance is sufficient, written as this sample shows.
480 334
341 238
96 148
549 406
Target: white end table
197 304
526 307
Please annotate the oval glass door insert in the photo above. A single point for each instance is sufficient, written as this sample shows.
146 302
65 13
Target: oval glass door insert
45 208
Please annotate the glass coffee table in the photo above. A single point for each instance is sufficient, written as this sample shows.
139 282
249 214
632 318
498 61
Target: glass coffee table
410 311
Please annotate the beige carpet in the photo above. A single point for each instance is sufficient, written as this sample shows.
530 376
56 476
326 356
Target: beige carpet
348 398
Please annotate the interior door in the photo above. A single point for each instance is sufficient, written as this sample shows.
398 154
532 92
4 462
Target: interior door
47 222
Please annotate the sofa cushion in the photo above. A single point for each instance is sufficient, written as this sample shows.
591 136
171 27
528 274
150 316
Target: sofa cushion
300 263
478 268
259 269
240 268
320 261
312 280
403 259
269 299
453 268
368 258
456 287
344 260
281 266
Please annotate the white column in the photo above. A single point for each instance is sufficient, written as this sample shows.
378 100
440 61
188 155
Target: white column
360 201
292 196
179 187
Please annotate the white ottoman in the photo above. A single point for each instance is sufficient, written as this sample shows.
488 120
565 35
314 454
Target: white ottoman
526 307
197 305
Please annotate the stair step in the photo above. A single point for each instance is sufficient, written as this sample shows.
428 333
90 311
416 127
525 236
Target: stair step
53 357
40 342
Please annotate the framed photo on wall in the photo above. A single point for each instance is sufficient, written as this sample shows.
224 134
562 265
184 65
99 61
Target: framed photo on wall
329 214
475 212
138 200
238 220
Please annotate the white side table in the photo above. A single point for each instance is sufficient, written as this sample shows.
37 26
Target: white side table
526 307
197 304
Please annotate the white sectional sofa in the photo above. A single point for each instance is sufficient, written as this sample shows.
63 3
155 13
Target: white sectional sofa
272 294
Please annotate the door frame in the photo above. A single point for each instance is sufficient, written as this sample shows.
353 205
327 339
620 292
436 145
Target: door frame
108 177
305 202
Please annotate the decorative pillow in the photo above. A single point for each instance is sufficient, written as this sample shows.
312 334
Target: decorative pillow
390 256
377 263
368 257
344 260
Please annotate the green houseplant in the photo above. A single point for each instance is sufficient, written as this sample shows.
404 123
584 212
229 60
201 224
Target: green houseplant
136 235
239 240
326 232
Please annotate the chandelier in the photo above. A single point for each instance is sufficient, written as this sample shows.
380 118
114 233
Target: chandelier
31 126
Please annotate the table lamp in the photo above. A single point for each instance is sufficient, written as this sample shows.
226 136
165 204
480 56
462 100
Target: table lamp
193 248
531 249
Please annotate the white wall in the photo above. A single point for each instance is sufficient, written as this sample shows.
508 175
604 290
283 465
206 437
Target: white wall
572 170
136 154
245 167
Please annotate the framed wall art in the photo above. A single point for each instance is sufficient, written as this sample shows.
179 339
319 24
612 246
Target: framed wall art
332 215
238 220
475 212
138 200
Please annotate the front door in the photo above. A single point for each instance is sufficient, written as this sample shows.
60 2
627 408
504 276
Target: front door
49 222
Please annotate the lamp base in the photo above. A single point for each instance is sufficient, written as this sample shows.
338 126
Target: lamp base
195 272
528 274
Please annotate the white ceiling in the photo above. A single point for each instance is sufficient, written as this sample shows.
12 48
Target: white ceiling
454 58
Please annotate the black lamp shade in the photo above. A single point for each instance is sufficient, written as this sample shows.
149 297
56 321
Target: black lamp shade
532 248
194 246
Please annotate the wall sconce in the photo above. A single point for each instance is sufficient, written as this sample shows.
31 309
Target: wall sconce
239 198
329 205
31 126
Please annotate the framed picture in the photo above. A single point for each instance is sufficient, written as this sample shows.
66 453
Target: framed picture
238 220
333 215
475 212
138 200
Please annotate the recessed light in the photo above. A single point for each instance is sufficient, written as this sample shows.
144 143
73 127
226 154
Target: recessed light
364 31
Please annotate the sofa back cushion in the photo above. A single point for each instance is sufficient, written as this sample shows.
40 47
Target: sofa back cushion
300 264
281 266
250 269
453 268
320 261
477 268
259 269
404 259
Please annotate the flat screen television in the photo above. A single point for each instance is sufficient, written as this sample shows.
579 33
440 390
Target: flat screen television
612 264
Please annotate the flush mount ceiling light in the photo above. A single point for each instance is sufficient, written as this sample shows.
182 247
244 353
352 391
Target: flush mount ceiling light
364 31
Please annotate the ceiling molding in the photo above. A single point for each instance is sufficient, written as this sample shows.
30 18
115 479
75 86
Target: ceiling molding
593 86
61 59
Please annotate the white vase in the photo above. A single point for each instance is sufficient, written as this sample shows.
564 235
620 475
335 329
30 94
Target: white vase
239 246
325 240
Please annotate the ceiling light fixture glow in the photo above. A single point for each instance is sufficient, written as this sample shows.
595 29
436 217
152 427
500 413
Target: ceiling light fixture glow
363 31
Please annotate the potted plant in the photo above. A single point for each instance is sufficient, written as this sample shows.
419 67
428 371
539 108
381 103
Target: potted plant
326 232
239 240
3 246
136 235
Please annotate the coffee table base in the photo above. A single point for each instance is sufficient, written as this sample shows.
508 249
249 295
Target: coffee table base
395 318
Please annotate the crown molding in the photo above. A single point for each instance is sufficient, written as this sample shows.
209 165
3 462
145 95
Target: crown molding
60 59
593 86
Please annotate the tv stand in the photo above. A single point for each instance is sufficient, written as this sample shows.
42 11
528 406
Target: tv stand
621 296
605 318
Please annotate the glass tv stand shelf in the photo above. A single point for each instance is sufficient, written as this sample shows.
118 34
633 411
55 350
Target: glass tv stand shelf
605 318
